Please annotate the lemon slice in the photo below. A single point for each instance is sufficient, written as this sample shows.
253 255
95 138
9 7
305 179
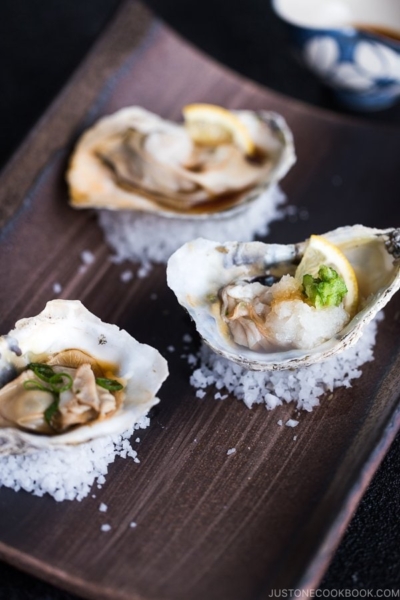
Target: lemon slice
212 125
321 252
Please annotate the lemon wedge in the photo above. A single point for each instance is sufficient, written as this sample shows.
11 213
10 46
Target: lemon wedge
320 251
211 125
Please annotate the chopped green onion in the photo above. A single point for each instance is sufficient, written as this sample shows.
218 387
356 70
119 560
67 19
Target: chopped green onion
41 370
59 378
56 385
109 384
32 384
51 411
328 289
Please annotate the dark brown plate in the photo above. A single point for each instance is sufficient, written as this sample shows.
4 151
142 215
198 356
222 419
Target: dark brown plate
209 526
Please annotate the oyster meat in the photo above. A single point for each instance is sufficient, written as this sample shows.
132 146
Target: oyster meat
135 160
66 377
250 305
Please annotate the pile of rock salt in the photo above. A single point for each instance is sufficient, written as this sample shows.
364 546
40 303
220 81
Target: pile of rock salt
303 386
67 472
147 238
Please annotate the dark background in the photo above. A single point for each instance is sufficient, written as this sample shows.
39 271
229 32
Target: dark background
41 43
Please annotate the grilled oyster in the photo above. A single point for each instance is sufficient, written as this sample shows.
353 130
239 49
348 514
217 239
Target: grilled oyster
226 290
66 377
134 160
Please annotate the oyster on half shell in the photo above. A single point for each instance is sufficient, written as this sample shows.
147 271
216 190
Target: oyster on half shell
202 271
135 160
66 377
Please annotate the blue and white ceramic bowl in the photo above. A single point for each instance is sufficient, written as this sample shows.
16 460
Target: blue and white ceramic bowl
352 45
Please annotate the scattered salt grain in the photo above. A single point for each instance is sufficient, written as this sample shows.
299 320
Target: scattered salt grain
87 257
126 276
291 423
133 524
294 438
103 507
137 440
280 422
68 472
131 234
302 386
192 359
171 348
187 338
231 451
57 288
105 527
144 271
200 394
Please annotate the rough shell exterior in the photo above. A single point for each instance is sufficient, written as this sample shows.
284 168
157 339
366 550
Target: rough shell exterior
66 324
199 269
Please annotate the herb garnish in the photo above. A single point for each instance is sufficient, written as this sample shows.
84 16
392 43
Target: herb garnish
58 383
55 385
109 384
326 290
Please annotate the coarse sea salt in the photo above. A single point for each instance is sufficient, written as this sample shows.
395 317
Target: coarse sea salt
68 472
302 386
87 257
147 238
126 276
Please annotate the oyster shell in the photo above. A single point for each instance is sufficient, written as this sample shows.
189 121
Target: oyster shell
199 270
70 340
134 160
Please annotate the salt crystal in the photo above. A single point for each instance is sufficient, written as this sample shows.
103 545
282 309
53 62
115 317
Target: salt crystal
304 386
192 359
57 288
171 348
87 257
291 423
144 271
149 238
105 527
67 473
295 437
280 422
126 276
103 507
231 451
187 338
133 524
137 440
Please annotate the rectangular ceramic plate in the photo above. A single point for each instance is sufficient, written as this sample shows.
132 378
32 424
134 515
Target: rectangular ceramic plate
208 526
